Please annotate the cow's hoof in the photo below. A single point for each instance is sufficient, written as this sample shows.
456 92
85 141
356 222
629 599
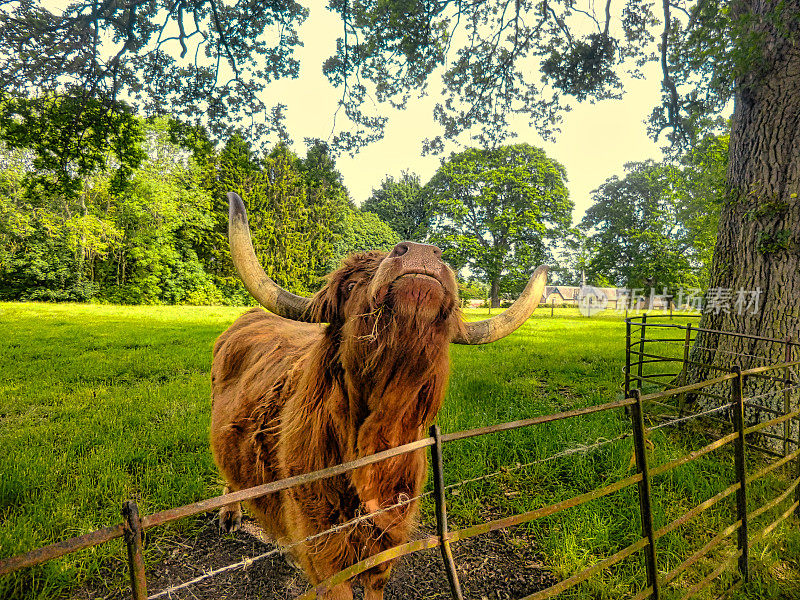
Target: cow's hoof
230 519
290 560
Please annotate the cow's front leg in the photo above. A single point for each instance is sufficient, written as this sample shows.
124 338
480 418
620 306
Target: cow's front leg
321 559
343 591
230 516
375 581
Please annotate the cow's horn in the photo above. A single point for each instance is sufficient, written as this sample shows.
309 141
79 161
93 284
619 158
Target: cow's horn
271 296
491 330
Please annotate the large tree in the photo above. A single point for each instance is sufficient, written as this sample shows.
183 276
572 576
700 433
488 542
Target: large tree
656 225
634 234
359 231
296 208
94 240
758 246
497 208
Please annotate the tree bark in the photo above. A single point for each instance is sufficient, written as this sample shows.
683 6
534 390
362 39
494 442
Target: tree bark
755 275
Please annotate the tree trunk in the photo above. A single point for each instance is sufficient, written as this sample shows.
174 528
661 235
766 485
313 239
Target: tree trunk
755 275
81 258
495 295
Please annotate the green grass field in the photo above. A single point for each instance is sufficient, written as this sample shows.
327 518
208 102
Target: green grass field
99 404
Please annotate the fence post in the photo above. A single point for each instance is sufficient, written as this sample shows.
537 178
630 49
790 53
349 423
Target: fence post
737 385
788 376
627 358
644 493
787 429
133 539
685 369
640 381
441 513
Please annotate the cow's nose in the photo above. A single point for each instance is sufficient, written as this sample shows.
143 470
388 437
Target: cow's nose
413 250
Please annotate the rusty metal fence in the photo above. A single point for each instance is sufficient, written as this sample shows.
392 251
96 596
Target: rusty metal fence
660 354
656 578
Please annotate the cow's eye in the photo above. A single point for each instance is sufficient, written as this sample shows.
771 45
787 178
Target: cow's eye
350 286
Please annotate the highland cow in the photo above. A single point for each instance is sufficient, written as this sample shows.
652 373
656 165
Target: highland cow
360 367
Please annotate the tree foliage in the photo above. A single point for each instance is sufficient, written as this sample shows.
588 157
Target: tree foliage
497 210
162 237
657 225
70 138
636 230
404 205
361 231
132 244
212 60
702 194
188 58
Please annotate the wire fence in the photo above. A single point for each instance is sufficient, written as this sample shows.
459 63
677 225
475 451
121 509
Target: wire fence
656 580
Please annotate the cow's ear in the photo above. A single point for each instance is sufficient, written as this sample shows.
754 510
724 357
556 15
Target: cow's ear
324 307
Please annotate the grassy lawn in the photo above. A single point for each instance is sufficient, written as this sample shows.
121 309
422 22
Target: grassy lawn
99 404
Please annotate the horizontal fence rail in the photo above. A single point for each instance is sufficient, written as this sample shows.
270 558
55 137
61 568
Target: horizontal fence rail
731 404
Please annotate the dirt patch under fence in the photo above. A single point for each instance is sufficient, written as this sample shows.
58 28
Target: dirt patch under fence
496 566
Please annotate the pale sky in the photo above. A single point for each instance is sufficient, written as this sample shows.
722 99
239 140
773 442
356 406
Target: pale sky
595 142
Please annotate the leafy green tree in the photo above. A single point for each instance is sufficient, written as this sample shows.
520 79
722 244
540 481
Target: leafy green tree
161 221
702 193
472 289
292 227
570 260
71 138
319 168
348 230
635 234
295 207
48 240
67 141
659 222
404 205
233 168
134 243
162 237
498 208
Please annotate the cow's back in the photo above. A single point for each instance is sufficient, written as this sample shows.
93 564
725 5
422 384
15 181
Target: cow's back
255 362
255 335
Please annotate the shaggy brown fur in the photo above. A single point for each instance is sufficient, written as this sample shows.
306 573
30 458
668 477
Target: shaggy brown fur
292 397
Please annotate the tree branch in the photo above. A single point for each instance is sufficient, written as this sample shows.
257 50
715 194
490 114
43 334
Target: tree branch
182 36
222 39
560 23
680 8
668 83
